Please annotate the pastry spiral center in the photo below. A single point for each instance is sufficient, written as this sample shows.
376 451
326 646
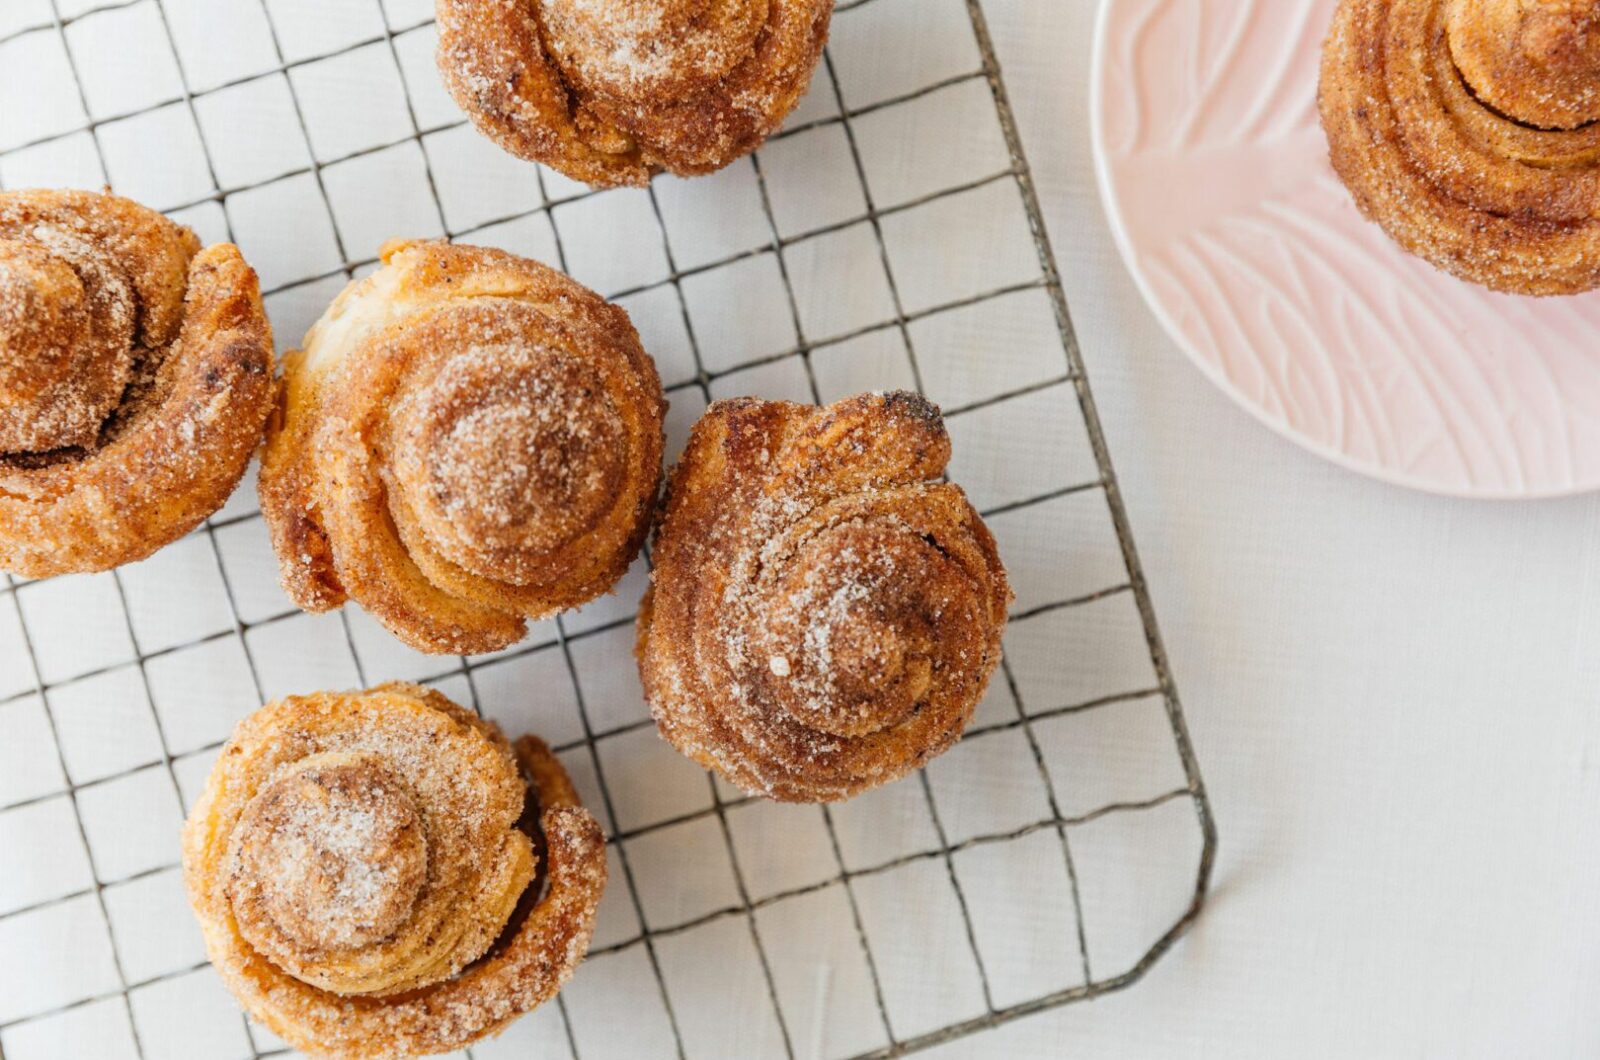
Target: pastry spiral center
1535 61
41 315
859 628
335 854
52 381
642 49
36 291
516 450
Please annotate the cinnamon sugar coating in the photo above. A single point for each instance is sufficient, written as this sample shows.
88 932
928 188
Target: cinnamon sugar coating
135 379
468 440
1537 61
824 615
613 91
1470 130
365 867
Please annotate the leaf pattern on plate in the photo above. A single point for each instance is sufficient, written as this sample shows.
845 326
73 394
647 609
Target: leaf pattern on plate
1266 274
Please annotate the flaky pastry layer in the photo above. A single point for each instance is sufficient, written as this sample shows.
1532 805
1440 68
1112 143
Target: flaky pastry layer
824 615
469 440
363 866
1411 98
135 379
611 93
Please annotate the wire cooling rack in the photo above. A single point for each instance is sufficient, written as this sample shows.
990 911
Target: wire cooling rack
889 236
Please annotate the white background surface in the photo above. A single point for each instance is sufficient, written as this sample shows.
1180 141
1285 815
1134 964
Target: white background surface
1395 699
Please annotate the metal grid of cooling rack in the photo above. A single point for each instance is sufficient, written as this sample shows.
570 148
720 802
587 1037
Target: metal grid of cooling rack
684 1000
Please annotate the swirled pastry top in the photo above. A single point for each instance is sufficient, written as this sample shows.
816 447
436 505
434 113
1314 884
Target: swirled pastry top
135 377
612 91
1470 130
468 440
364 869
824 615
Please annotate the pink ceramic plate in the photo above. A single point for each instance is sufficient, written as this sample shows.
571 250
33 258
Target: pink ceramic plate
1214 172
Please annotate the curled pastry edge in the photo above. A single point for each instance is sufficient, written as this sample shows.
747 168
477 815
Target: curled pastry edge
145 490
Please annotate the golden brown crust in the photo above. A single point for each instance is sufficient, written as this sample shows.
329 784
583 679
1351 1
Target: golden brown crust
469 440
363 868
823 616
135 379
1436 115
612 93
